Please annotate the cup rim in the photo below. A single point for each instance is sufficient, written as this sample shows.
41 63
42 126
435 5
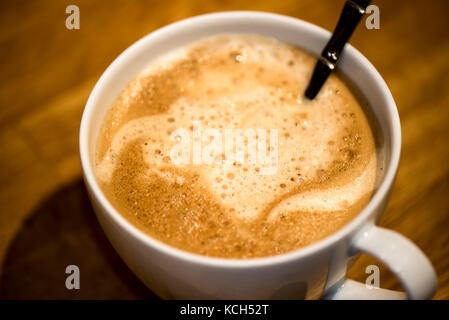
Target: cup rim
220 17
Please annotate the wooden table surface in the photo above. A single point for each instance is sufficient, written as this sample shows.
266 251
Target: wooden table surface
48 71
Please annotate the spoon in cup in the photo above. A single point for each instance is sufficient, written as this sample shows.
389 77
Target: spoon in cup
349 19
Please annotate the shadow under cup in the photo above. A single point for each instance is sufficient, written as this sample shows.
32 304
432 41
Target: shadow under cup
126 238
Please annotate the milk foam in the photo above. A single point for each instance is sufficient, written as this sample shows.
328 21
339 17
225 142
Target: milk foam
326 153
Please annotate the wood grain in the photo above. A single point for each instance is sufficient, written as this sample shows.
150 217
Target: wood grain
48 71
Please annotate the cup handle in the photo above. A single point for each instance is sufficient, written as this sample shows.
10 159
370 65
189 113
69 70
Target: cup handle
405 260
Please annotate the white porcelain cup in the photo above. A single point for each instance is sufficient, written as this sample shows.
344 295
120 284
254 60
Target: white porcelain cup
316 271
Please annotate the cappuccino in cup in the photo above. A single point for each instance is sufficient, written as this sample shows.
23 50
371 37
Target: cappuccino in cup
213 149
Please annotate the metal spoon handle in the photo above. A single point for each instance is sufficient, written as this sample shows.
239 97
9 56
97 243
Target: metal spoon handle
349 18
